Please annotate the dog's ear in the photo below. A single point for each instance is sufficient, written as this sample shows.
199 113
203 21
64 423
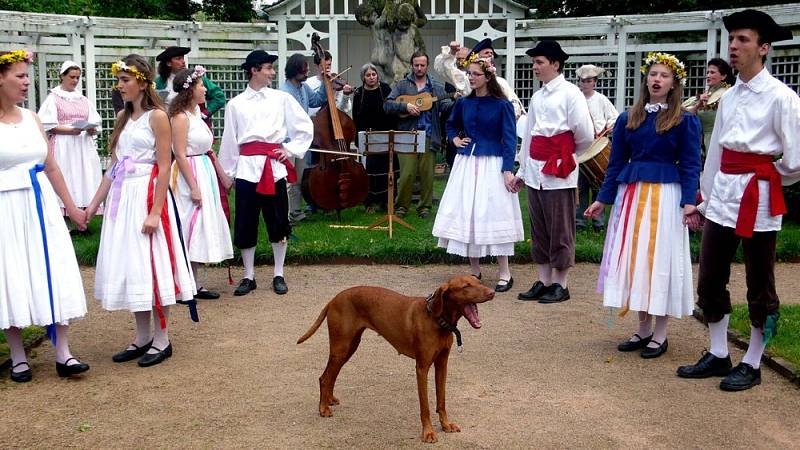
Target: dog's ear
437 305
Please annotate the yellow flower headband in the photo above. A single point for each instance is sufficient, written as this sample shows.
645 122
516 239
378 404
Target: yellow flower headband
120 66
487 67
668 60
16 56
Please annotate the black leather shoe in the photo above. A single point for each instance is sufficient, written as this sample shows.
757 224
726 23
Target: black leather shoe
279 285
655 352
629 346
709 365
21 377
151 359
128 355
65 370
556 294
504 287
205 294
535 292
245 286
742 377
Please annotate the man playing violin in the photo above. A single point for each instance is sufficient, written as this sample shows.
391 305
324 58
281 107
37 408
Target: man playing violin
427 122
264 127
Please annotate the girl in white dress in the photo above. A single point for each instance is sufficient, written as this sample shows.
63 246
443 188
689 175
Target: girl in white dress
141 264
74 148
40 283
198 180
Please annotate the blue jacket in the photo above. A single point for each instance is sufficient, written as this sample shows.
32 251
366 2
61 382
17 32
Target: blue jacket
491 125
407 86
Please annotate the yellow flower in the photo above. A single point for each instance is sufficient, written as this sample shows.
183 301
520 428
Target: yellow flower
120 66
668 60
16 56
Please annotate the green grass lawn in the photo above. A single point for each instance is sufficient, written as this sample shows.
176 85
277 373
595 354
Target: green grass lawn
787 343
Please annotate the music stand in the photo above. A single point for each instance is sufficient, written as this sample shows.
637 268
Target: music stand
376 142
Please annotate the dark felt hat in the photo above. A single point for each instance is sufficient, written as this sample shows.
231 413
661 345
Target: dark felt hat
258 57
171 52
483 45
548 48
759 21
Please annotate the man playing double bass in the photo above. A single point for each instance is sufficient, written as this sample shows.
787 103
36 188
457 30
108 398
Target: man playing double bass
426 122
255 151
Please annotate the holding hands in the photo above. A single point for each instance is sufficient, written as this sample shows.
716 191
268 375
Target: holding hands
595 210
692 217
78 217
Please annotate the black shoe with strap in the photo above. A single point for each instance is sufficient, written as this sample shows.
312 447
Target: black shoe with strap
629 345
506 286
535 292
709 365
741 378
205 294
135 352
22 376
655 352
556 294
151 359
245 286
279 285
65 370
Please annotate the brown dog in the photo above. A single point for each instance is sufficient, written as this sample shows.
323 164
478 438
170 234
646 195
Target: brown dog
417 327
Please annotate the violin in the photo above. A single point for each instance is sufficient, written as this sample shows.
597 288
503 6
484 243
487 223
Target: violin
338 181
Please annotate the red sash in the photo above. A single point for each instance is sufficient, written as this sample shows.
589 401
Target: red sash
553 148
223 193
737 163
266 185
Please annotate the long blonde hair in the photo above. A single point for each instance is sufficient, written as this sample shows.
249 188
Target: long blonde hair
150 98
666 118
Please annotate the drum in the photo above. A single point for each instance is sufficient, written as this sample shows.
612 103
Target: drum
594 161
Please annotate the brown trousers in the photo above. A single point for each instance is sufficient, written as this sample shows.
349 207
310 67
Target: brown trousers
552 215
717 251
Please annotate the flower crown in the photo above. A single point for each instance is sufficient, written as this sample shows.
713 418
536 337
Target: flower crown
488 67
668 60
199 71
16 56
120 66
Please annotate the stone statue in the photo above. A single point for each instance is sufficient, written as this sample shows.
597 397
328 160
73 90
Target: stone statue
395 28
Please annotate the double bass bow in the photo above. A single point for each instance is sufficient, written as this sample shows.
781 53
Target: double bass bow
338 181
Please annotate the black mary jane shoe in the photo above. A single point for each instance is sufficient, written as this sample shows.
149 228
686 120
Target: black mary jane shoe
65 370
655 352
535 292
128 355
151 359
21 377
629 346
245 286
555 294
504 287
709 365
279 285
205 294
741 378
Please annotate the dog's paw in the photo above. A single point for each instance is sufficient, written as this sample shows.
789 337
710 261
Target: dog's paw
334 401
325 411
450 428
429 437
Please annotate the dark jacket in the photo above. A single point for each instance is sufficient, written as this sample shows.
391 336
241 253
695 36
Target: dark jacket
441 108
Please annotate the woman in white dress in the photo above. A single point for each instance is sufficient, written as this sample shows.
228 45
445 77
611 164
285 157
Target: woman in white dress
142 266
197 178
479 214
40 283
74 147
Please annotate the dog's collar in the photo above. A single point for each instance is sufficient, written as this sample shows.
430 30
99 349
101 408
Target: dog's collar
443 323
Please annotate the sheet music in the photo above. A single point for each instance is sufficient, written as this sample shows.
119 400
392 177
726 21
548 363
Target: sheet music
404 142
84 124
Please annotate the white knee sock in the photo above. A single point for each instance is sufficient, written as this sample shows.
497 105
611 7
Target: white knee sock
660 331
279 254
645 325
719 337
248 260
504 273
160 336
756 348
143 335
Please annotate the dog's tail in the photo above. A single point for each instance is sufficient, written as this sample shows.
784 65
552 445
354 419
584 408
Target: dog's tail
315 326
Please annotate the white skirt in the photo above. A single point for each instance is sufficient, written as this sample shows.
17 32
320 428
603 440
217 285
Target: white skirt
205 230
24 293
477 215
646 264
124 275
79 163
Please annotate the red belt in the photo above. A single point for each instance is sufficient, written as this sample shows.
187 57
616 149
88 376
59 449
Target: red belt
223 193
738 163
266 185
551 149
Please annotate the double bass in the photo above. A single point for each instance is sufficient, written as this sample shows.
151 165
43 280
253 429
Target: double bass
338 181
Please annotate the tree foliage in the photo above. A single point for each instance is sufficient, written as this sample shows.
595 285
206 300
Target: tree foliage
584 8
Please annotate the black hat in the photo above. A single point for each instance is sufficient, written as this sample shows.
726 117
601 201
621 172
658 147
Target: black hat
548 48
768 30
483 45
258 57
171 52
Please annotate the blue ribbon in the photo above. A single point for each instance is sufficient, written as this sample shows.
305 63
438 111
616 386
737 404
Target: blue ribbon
37 193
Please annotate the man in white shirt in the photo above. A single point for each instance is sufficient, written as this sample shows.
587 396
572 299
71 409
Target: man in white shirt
557 128
343 89
264 127
755 147
449 64
604 115
484 50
